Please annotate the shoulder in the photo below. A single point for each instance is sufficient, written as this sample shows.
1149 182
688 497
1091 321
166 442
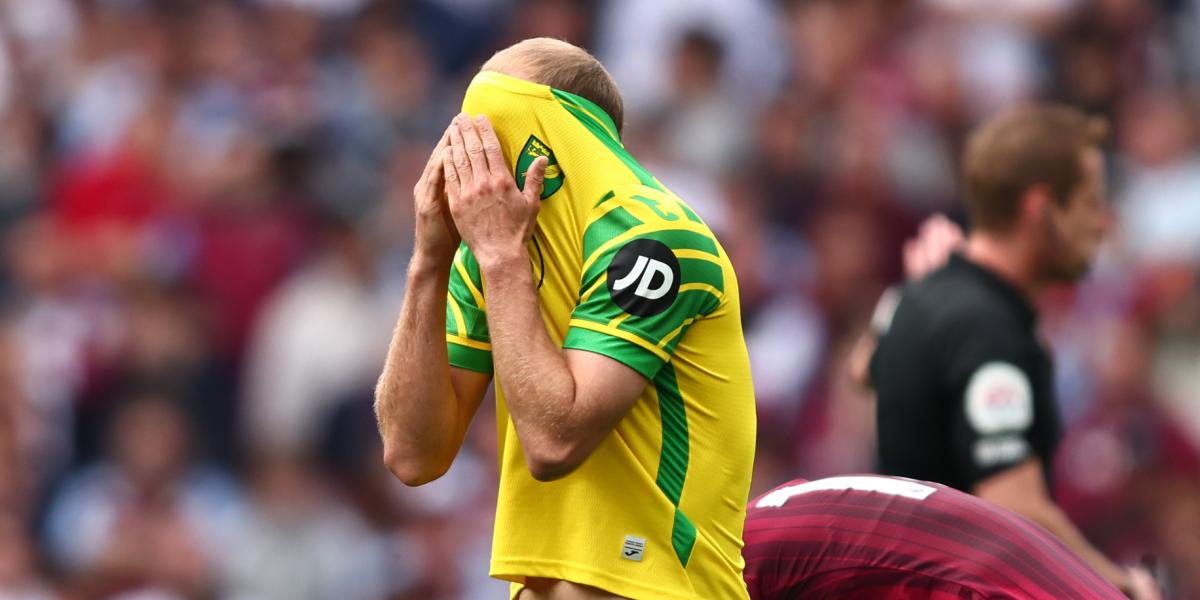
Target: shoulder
952 307
636 222
644 209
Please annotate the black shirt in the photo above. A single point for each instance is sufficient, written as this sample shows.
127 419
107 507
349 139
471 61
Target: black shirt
965 388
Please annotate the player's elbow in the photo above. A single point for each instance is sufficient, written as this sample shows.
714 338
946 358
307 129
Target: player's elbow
551 462
412 470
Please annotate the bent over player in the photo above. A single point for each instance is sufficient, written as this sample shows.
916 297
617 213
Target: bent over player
888 537
608 313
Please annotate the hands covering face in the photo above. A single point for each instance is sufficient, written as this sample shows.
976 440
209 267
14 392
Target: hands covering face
494 217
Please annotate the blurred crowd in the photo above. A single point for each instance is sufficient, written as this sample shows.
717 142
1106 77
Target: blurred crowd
205 223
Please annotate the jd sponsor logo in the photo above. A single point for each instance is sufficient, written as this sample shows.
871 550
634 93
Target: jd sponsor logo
643 278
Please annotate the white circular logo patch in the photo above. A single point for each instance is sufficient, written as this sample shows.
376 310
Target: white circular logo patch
999 398
643 278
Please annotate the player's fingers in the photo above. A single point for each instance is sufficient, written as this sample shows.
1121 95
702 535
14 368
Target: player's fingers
534 180
956 232
437 174
451 226
491 146
950 238
912 265
926 226
948 241
450 172
435 161
925 259
935 225
949 228
475 157
458 146
935 255
432 175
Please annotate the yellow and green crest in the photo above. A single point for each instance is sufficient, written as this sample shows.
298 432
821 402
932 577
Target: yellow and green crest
554 175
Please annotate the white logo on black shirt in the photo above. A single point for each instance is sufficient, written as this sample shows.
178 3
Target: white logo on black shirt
999 399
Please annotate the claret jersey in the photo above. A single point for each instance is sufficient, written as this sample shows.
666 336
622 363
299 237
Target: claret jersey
864 537
625 269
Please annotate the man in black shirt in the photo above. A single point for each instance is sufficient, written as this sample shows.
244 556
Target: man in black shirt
965 338
965 387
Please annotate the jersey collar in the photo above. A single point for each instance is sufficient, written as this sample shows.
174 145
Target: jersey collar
592 110
585 109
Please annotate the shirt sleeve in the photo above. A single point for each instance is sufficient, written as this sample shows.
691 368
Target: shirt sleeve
992 379
467 340
651 268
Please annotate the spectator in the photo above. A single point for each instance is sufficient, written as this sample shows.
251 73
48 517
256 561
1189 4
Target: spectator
321 337
146 516
299 541
19 575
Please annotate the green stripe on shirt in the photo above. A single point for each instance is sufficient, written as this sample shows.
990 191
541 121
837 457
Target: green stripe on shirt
673 460
572 104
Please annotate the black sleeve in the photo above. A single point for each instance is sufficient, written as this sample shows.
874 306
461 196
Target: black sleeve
994 386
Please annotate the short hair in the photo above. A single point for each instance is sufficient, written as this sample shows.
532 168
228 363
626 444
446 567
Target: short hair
562 66
1033 144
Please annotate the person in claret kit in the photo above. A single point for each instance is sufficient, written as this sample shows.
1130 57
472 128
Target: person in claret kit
866 536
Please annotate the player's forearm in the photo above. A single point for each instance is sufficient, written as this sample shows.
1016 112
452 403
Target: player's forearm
1044 512
539 389
414 399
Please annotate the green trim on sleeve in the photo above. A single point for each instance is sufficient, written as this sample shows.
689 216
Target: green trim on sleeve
608 226
675 239
702 271
623 351
472 359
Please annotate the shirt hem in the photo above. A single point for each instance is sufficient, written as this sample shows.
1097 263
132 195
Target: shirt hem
516 570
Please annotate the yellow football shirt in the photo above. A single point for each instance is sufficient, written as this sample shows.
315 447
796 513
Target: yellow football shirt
625 269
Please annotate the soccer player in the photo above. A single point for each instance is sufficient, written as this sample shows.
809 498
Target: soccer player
609 315
965 386
888 537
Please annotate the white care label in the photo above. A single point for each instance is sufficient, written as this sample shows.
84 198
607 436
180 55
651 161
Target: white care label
634 548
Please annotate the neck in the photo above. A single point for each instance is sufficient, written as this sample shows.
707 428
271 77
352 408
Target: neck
1008 257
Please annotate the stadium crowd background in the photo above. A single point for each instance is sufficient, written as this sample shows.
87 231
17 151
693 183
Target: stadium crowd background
205 222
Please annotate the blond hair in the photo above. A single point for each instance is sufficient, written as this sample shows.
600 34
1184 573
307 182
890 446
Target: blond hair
562 66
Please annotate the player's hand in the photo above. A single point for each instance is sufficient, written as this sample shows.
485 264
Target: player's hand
495 218
1142 585
436 236
936 239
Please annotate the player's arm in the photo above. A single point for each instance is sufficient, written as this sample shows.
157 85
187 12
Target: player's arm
1022 489
562 403
422 404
